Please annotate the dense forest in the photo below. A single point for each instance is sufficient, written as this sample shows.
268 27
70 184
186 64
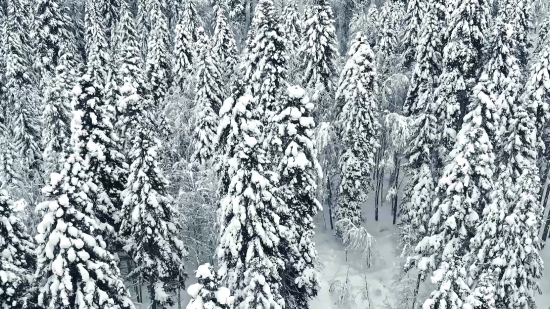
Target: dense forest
271 154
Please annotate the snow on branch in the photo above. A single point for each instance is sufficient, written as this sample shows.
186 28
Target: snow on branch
358 239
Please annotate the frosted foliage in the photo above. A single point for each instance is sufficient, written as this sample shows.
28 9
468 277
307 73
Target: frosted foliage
157 64
207 293
298 171
17 256
466 34
224 45
505 250
357 129
266 60
414 17
183 56
72 257
150 222
208 97
464 192
319 49
428 53
251 228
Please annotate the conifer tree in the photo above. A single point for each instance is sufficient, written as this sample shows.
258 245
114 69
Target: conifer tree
157 65
21 95
106 162
183 57
293 26
97 47
17 260
509 228
462 59
56 133
298 169
54 32
149 218
319 49
224 45
414 18
208 293
191 20
255 279
429 51
73 259
209 98
249 248
143 24
357 129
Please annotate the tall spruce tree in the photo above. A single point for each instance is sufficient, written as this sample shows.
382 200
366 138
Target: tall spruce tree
21 93
507 237
462 59
298 171
53 26
17 260
157 64
357 129
319 49
56 132
224 45
183 57
209 98
414 19
73 259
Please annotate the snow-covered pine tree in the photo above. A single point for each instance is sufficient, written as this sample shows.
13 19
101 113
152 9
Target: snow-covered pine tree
157 64
462 60
254 278
191 19
143 24
357 124
250 214
391 16
414 18
266 73
97 47
18 259
208 99
104 158
56 131
224 46
183 57
207 293
53 26
293 26
149 219
428 53
73 262
463 193
21 94
130 70
319 48
298 171
509 228
416 207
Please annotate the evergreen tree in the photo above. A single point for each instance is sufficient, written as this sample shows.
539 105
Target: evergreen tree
21 95
157 65
357 129
143 24
209 98
251 229
319 50
56 133
249 215
414 18
207 293
191 20
149 219
298 170
72 257
224 45
462 59
429 51
293 26
106 162
183 57
54 33
509 228
97 48
17 260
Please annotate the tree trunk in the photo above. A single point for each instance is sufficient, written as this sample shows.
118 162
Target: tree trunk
329 202
152 295
543 181
416 289
546 226
395 184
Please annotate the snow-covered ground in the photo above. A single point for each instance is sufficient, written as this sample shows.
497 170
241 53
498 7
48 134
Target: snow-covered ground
380 279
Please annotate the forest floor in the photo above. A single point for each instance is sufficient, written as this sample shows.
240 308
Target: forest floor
373 288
